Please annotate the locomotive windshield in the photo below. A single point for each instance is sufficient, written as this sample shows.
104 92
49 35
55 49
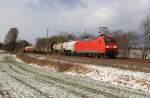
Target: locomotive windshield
110 40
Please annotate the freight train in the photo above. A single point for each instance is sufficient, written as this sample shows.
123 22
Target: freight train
99 46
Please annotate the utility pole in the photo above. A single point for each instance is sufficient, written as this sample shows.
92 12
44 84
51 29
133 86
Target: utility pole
47 42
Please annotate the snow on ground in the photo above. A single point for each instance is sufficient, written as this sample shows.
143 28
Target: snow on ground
23 84
131 79
148 56
13 76
116 76
2 51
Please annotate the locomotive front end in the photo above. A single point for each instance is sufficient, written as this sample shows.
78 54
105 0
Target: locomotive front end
111 47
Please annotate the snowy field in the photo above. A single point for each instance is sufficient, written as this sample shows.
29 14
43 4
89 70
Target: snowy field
116 76
126 78
19 80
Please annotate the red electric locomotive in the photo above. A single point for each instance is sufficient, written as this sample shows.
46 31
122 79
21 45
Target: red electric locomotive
99 46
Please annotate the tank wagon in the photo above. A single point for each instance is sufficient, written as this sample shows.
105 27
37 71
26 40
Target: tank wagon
99 46
69 47
58 47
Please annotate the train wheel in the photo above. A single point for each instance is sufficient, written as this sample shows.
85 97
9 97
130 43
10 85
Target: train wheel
65 52
98 55
68 52
102 55
95 55
82 54
86 54
112 55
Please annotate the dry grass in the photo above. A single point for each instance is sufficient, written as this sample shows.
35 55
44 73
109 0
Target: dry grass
58 65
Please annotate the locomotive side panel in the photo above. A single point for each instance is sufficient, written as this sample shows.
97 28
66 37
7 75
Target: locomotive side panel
87 46
95 45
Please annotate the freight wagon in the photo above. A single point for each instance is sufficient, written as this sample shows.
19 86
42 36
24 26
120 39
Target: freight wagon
29 49
69 48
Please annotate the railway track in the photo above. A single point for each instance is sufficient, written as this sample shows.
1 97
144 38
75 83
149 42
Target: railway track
18 80
125 64
129 60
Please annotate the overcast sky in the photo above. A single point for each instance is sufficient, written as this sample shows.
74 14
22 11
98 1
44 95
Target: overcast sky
33 17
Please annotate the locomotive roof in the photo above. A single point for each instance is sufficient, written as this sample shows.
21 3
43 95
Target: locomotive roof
86 36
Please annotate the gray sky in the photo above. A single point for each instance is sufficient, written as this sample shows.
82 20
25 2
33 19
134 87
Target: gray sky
33 17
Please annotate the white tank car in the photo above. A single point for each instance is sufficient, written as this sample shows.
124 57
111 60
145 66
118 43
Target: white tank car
69 47
54 47
65 45
58 47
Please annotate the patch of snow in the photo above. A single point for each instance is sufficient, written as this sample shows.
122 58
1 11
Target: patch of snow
19 60
32 64
2 51
148 56
116 76
71 73
131 79
45 67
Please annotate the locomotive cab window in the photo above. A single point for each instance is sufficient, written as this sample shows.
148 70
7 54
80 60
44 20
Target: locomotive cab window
110 40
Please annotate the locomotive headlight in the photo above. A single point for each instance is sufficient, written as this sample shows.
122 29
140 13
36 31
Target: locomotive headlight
114 46
107 47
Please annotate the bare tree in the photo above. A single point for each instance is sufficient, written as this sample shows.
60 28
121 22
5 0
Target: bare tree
146 30
125 41
41 43
1 45
10 39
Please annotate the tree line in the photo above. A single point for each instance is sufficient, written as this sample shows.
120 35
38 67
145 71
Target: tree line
11 42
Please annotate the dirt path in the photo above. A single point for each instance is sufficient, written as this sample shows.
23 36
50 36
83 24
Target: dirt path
18 80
